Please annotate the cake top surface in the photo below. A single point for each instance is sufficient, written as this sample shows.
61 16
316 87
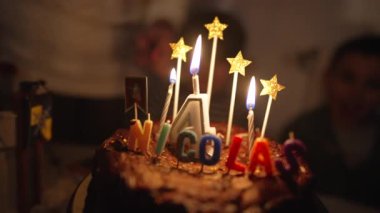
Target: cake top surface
195 187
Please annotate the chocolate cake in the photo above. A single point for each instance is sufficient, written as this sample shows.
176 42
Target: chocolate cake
124 180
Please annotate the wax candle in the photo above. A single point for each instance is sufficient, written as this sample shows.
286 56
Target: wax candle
203 156
250 103
172 80
163 137
260 157
238 65
186 136
179 51
195 62
140 137
292 148
215 31
231 163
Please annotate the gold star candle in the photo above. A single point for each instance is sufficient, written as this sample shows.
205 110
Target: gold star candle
238 65
271 88
215 31
179 51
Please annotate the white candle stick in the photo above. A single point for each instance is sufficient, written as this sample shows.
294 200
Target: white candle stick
179 52
168 98
238 65
232 107
136 111
215 31
177 86
212 68
266 117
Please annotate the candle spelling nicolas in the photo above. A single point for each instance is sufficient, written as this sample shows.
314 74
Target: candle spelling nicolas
190 166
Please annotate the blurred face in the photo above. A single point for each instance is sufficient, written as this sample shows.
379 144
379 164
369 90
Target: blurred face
353 89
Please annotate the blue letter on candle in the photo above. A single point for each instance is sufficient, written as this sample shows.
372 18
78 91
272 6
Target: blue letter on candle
214 159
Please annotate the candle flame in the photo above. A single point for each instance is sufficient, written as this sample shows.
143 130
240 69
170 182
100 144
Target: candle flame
173 76
196 60
251 97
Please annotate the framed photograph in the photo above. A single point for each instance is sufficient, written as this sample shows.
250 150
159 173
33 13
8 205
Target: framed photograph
136 91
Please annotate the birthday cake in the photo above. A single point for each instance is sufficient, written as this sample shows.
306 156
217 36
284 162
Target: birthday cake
125 180
191 165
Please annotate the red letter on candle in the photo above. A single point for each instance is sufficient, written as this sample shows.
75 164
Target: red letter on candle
260 156
234 150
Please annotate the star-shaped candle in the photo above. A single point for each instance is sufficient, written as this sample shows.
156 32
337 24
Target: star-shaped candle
271 88
179 51
215 31
238 65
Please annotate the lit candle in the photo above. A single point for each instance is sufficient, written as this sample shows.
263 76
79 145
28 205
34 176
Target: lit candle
215 31
163 137
179 51
292 148
140 136
271 88
238 65
231 163
260 160
195 62
250 106
172 80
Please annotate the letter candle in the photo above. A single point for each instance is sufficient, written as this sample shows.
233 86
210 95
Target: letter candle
271 88
193 114
250 106
179 51
233 154
215 31
195 62
164 113
238 65
140 136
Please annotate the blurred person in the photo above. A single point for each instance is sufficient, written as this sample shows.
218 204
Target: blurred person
83 52
343 134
